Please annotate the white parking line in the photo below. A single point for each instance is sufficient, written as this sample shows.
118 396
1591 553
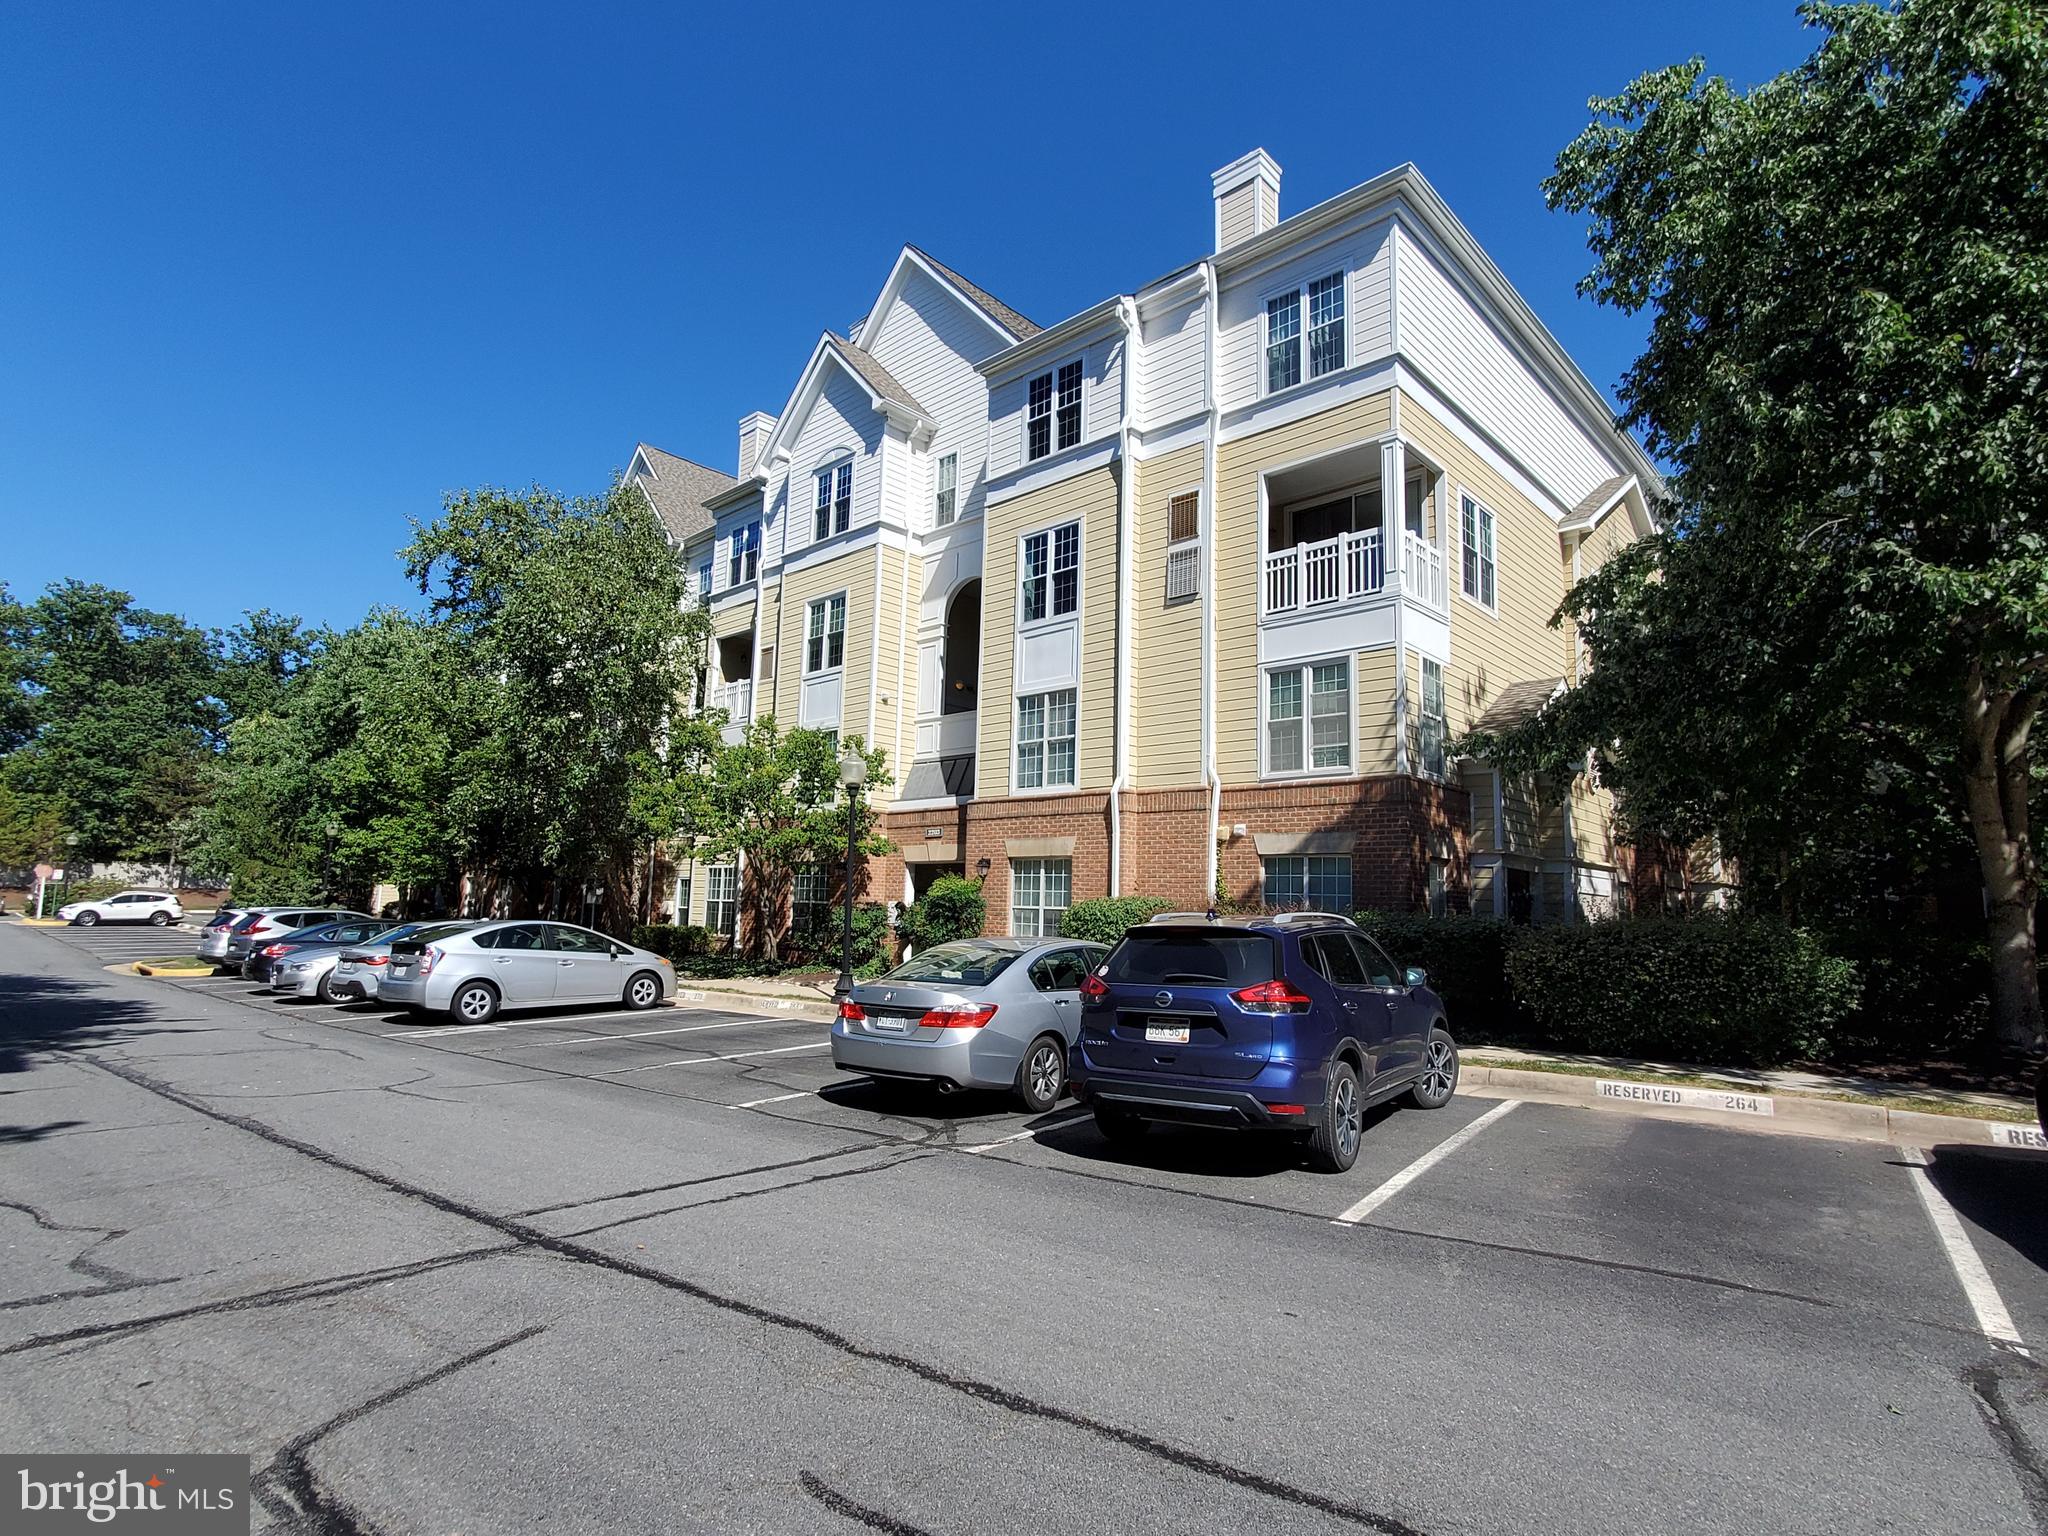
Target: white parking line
504 1024
780 1098
700 1061
1420 1166
681 1029
1029 1130
1993 1321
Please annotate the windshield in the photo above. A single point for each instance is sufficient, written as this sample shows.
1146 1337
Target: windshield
1191 958
964 964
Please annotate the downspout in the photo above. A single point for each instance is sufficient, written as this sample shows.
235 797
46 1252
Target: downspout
1127 312
1208 511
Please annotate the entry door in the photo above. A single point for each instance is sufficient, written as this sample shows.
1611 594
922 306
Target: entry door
1367 1013
922 876
520 964
585 971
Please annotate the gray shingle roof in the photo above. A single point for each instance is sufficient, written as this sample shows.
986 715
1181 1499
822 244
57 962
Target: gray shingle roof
679 488
992 306
1517 703
1596 498
880 380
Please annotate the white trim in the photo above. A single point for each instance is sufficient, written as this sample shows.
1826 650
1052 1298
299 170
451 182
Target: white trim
1333 389
1150 442
1299 287
1212 424
1306 667
824 599
1044 788
1036 477
1492 609
892 291
1455 420
1052 370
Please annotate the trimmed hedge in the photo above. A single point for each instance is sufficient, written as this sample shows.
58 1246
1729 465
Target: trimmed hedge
1713 988
673 940
1104 920
1466 958
952 909
817 948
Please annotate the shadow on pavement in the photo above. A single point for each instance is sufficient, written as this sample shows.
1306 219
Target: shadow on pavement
1217 1154
46 1015
2002 1190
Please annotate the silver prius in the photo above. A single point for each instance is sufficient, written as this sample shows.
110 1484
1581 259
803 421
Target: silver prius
525 964
976 1013
357 968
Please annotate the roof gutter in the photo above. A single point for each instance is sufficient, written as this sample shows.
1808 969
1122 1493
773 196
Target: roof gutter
1127 313
1049 340
1208 513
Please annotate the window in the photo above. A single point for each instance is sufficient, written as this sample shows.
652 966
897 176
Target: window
1439 888
810 897
945 490
835 500
1040 890
704 581
744 561
1052 572
1325 332
1305 883
1308 718
1045 739
721 898
1476 576
825 634
1052 400
1433 718
684 893
1184 550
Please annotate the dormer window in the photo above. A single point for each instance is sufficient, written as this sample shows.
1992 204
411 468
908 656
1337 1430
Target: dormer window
1053 409
743 563
1325 305
835 500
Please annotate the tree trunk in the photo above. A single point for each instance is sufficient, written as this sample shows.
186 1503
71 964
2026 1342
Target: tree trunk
1996 778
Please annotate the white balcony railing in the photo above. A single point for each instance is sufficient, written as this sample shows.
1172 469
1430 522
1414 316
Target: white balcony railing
1331 571
1424 563
737 700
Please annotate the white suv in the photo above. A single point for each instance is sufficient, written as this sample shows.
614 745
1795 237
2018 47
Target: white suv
157 907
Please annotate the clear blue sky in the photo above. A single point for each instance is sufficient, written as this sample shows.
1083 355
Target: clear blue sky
273 278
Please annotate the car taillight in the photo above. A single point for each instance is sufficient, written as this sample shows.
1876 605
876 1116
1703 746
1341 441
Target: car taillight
1093 987
374 959
427 958
272 951
1286 1109
1271 997
851 1012
959 1016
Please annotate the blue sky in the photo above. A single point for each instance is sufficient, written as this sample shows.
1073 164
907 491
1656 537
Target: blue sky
273 278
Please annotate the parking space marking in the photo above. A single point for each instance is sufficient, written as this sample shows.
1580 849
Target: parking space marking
477 1029
1030 1130
703 1061
1993 1320
681 1029
1420 1166
779 1098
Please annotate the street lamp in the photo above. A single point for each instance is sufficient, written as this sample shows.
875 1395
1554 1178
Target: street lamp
853 773
333 830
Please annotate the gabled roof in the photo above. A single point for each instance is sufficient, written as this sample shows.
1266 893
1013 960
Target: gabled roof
1599 501
878 378
1516 703
985 301
678 488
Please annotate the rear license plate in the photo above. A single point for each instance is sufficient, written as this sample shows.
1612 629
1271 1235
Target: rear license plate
1166 1034
878 1026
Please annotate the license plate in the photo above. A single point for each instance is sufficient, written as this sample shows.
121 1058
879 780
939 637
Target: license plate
1166 1034
888 1026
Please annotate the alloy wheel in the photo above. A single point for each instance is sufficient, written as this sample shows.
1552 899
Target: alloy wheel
644 992
1350 1119
474 1004
1045 1074
1438 1075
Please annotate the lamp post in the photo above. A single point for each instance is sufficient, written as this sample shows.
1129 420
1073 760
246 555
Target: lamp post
853 773
333 830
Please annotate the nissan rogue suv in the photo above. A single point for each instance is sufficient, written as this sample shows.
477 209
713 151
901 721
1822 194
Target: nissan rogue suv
1297 1023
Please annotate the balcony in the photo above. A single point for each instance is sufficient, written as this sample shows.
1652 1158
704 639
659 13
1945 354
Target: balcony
737 700
1329 571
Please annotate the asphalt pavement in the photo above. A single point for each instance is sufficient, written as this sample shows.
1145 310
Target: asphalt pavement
668 1271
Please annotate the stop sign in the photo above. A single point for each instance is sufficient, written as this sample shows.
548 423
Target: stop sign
44 871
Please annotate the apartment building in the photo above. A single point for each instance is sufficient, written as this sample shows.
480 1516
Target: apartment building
1186 594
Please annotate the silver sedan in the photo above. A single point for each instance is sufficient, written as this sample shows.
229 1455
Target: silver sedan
474 973
976 1013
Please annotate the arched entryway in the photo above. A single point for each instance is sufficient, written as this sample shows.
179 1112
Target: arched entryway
960 687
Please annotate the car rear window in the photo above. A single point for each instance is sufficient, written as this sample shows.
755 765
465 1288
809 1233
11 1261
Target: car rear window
1191 957
960 965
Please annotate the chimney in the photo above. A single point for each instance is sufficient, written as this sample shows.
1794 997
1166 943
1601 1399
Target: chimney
754 432
1247 195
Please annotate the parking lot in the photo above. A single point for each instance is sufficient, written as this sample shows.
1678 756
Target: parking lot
668 1271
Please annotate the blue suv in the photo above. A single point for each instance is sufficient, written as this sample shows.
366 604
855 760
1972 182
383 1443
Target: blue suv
1295 1023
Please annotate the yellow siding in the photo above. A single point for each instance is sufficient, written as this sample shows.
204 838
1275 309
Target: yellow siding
1518 810
1375 699
1166 654
767 685
737 619
1238 467
1479 785
853 574
896 713
1613 535
1091 496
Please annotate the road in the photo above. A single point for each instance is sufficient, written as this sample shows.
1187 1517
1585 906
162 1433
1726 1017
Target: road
625 1273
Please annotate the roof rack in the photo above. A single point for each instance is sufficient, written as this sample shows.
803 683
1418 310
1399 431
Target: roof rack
1181 917
1313 917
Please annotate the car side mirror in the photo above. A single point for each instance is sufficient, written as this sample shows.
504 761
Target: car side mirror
1416 976
619 951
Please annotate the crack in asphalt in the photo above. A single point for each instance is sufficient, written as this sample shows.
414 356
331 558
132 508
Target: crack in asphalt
1988 1384
754 1194
840 1504
967 1386
707 1178
288 1487
112 1281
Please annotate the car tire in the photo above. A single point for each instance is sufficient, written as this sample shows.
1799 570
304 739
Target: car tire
86 920
1333 1145
474 1002
1119 1127
323 989
1042 1074
643 991
1439 1078
159 919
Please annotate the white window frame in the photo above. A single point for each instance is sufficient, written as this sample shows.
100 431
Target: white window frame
707 569
1304 373
1306 874
743 556
1044 740
825 606
1488 565
833 497
946 491
1052 377
1051 534
1309 769
1038 870
716 875
810 889
1424 719
1184 555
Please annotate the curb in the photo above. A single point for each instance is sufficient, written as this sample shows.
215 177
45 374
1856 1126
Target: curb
174 971
754 1002
1784 1114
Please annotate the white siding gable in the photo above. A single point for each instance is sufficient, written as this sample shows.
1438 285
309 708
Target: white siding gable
1170 362
1364 253
843 416
929 340
1102 382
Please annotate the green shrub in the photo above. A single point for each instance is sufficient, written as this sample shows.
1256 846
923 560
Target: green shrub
817 947
675 941
1714 988
1926 992
1104 920
91 890
952 909
1466 958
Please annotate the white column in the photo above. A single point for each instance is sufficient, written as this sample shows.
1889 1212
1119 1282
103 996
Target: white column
1393 510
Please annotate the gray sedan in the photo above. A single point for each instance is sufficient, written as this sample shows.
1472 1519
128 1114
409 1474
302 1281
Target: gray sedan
474 973
976 1013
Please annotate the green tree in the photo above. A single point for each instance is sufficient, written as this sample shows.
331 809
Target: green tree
1847 269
